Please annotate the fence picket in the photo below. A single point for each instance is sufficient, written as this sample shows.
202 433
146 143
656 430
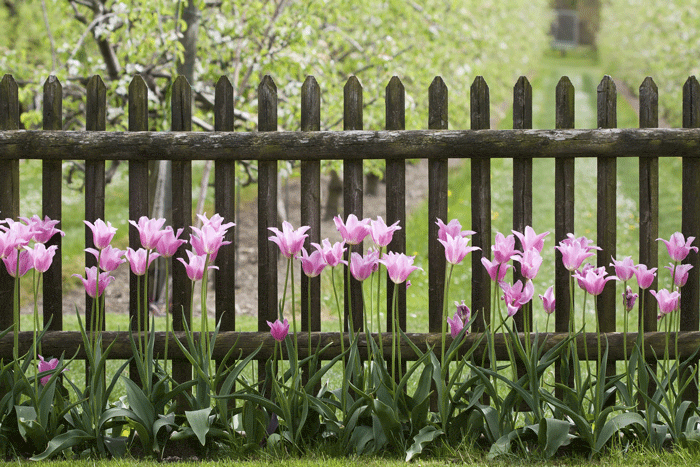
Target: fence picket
51 186
481 206
353 188
9 188
224 205
437 207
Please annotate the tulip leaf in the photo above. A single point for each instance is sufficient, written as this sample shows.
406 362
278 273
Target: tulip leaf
199 422
426 435
615 424
553 433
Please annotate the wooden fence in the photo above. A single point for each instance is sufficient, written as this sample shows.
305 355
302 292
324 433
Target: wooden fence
395 145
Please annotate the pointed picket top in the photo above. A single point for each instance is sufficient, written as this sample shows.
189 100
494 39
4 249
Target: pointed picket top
352 104
648 104
395 105
565 104
522 104
607 103
96 105
53 104
310 105
691 101
438 105
9 104
138 104
223 105
480 107
181 104
267 104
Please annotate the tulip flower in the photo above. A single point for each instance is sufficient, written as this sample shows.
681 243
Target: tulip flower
380 233
453 228
679 273
137 260
216 222
574 251
361 267
516 295
354 230
456 325
332 254
496 271
456 248
102 233
312 264
17 235
42 256
195 266
26 262
95 285
503 248
678 248
594 280
668 301
645 276
169 242
43 365
628 299
149 231
624 269
279 330
289 240
530 240
43 230
530 263
548 300
399 266
110 257
463 311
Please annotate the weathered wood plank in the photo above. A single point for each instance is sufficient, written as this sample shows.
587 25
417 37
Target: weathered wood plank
437 206
51 186
224 205
311 205
481 207
353 191
395 176
350 145
9 188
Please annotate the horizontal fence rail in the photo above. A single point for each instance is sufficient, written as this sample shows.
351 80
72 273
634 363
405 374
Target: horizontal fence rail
438 144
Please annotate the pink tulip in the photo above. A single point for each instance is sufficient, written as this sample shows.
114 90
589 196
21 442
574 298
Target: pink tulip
574 251
43 365
381 234
110 257
217 222
95 285
289 240
628 299
279 330
548 300
594 280
456 325
645 276
169 242
624 269
149 231
456 248
41 256
354 230
102 233
530 263
399 266
504 248
332 254
584 269
17 235
516 295
496 271
668 301
137 260
312 264
463 311
679 273
26 262
5 246
678 248
530 240
361 267
453 228
195 266
43 230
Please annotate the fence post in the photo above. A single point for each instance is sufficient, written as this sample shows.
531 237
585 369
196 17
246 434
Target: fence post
51 185
225 206
437 207
481 206
395 177
690 221
9 188
95 117
352 193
